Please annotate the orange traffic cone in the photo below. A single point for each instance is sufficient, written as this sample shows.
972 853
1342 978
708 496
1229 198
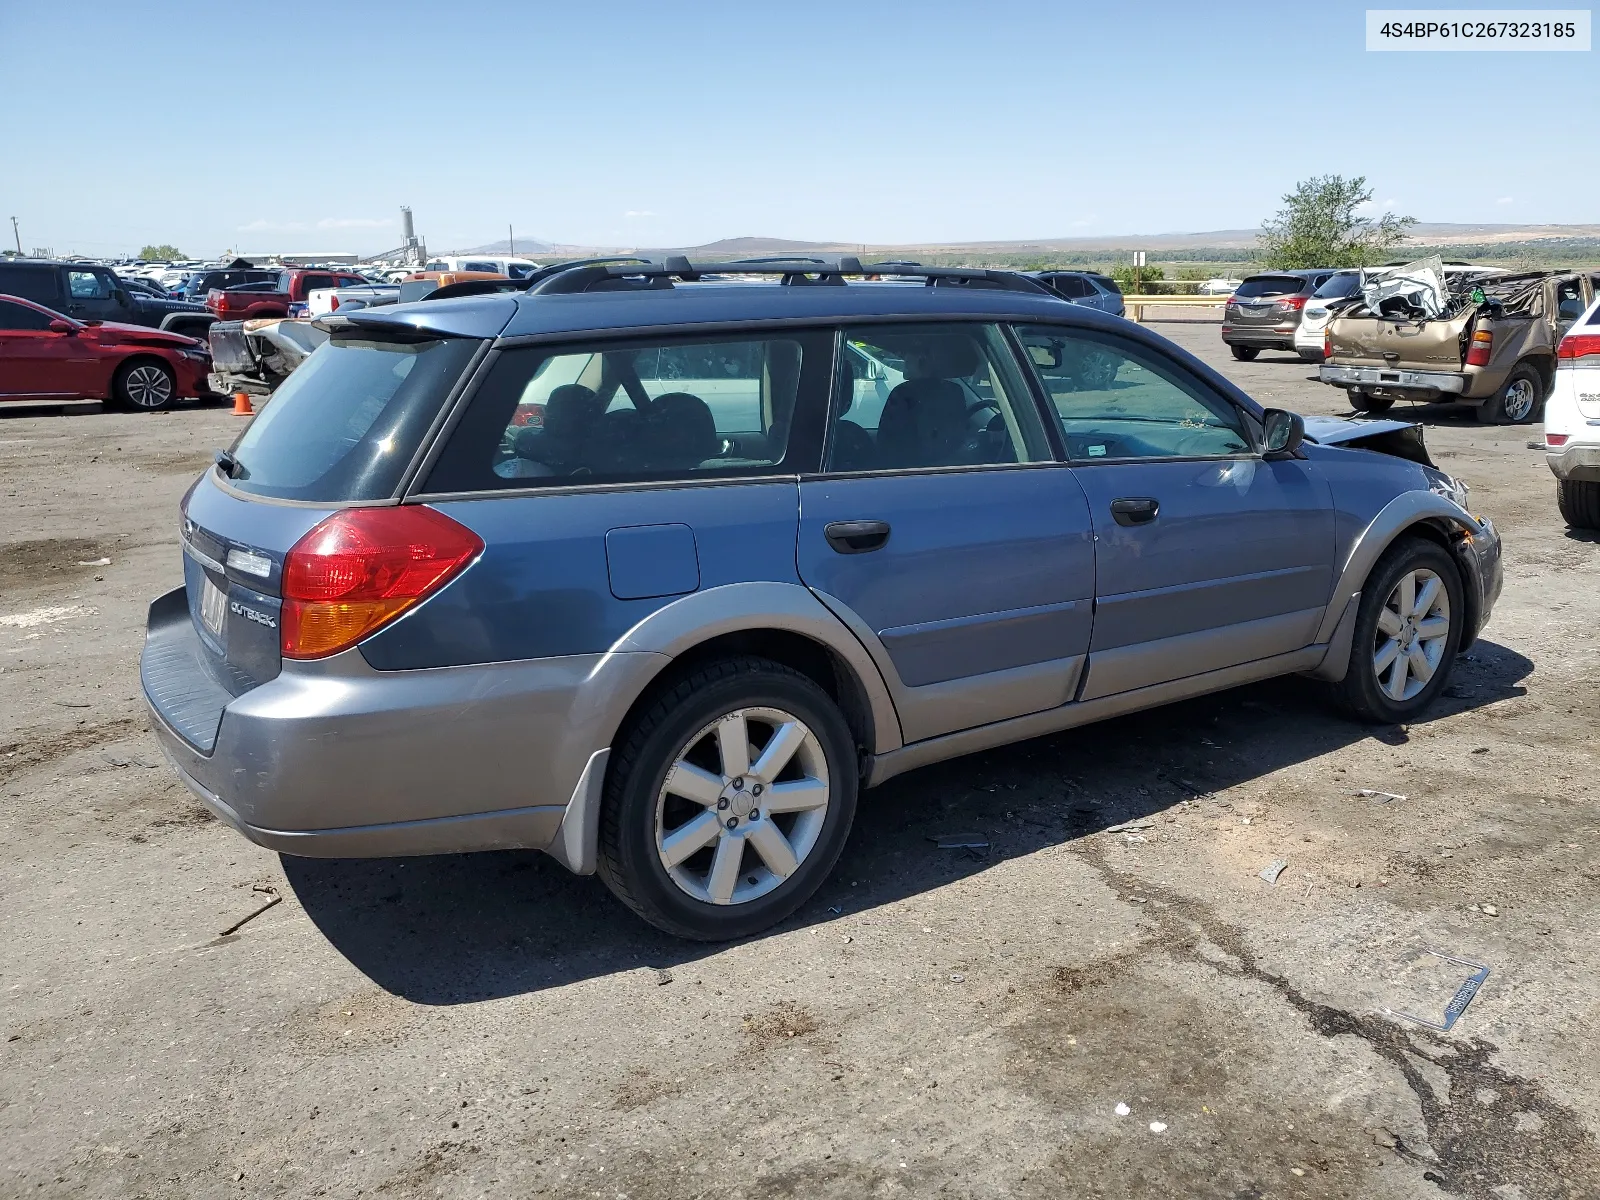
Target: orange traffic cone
241 405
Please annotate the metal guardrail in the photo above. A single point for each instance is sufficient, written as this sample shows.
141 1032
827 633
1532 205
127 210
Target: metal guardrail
1135 305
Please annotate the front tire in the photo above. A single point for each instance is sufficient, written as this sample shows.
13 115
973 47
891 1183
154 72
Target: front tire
145 384
1245 353
1368 403
1519 400
728 800
1579 502
1408 630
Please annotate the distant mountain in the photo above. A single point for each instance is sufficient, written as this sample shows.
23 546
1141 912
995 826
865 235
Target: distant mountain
522 246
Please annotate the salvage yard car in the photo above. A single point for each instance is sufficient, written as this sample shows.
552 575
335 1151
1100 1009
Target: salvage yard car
86 292
669 632
1572 422
1263 313
1488 341
48 356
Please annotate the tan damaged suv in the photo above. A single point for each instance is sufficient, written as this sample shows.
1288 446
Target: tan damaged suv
1493 346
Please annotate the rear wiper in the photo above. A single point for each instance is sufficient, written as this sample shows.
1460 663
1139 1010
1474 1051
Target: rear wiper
228 463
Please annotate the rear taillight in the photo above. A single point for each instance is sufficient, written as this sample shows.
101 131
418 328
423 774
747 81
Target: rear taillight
1578 345
1292 303
1555 439
361 568
528 416
1478 352
333 304
1327 341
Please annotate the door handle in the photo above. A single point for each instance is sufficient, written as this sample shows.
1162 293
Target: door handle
1135 510
856 537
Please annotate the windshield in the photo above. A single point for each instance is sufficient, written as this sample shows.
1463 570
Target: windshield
1338 287
349 420
1269 285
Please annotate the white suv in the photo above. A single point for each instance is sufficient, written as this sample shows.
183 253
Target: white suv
1572 422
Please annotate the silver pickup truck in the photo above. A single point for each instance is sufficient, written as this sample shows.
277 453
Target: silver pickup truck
1492 344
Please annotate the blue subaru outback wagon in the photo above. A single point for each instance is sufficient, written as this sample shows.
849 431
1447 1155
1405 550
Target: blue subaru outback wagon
654 571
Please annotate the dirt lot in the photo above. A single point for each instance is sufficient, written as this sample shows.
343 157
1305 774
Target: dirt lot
935 1022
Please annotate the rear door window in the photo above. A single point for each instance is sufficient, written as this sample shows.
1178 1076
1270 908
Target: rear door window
1266 286
1338 287
664 409
348 422
1071 287
19 318
42 285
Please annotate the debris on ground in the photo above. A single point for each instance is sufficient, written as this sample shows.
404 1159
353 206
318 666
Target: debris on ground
96 562
266 889
1127 826
957 977
1273 869
1122 1109
1378 797
1487 910
1158 1126
663 976
1458 1002
961 841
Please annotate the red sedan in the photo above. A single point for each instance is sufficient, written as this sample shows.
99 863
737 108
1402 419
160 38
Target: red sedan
47 356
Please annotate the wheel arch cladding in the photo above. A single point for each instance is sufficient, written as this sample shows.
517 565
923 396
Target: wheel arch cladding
817 661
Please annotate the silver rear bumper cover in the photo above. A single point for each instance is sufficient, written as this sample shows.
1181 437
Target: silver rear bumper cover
1575 462
1385 379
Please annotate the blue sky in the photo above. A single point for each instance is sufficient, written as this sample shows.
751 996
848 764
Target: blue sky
306 126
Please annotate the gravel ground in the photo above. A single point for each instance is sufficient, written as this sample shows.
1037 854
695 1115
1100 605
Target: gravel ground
1077 1011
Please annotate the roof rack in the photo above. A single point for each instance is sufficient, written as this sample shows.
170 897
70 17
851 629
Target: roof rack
573 278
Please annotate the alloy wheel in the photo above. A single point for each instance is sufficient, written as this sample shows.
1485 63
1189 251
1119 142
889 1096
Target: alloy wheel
742 805
1413 631
149 387
1519 399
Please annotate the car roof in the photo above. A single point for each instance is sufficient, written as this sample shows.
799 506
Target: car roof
514 315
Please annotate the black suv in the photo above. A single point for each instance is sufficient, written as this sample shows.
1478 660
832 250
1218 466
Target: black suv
1265 311
93 293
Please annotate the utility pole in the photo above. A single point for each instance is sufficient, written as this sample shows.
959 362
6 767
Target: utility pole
16 235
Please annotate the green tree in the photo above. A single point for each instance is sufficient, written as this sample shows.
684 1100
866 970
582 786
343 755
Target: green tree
1149 278
1318 226
161 253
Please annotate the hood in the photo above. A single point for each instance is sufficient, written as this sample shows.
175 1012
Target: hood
113 332
1402 439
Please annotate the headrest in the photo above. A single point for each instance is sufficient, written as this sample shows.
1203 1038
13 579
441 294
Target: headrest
682 431
924 424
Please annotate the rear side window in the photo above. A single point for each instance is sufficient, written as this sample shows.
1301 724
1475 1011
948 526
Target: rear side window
1269 285
1071 286
42 285
349 420
642 410
1108 284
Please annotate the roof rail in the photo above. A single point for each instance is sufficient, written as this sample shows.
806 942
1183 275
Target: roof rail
574 278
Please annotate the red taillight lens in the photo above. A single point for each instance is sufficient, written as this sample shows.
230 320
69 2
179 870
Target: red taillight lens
528 416
1578 345
1555 439
361 568
333 304
1478 352
1292 303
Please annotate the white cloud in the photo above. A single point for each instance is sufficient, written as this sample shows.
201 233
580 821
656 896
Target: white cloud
1505 200
354 222
260 224
1079 224
635 213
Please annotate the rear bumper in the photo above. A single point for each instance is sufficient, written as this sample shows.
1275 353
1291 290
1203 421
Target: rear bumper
1263 337
1382 379
1479 556
1575 462
336 759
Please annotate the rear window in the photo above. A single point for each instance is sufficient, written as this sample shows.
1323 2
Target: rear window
1269 285
1108 284
349 420
1338 287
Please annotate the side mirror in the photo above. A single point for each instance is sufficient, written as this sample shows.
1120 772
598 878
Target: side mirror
60 326
1284 433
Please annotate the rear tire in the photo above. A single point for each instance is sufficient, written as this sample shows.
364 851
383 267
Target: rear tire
774 860
1310 356
146 384
1368 403
1579 502
1519 400
1245 353
1373 689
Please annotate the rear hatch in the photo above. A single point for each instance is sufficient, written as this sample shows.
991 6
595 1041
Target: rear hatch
1266 302
343 429
1383 342
1317 311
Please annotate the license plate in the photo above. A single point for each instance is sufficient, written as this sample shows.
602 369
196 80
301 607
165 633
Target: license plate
213 606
